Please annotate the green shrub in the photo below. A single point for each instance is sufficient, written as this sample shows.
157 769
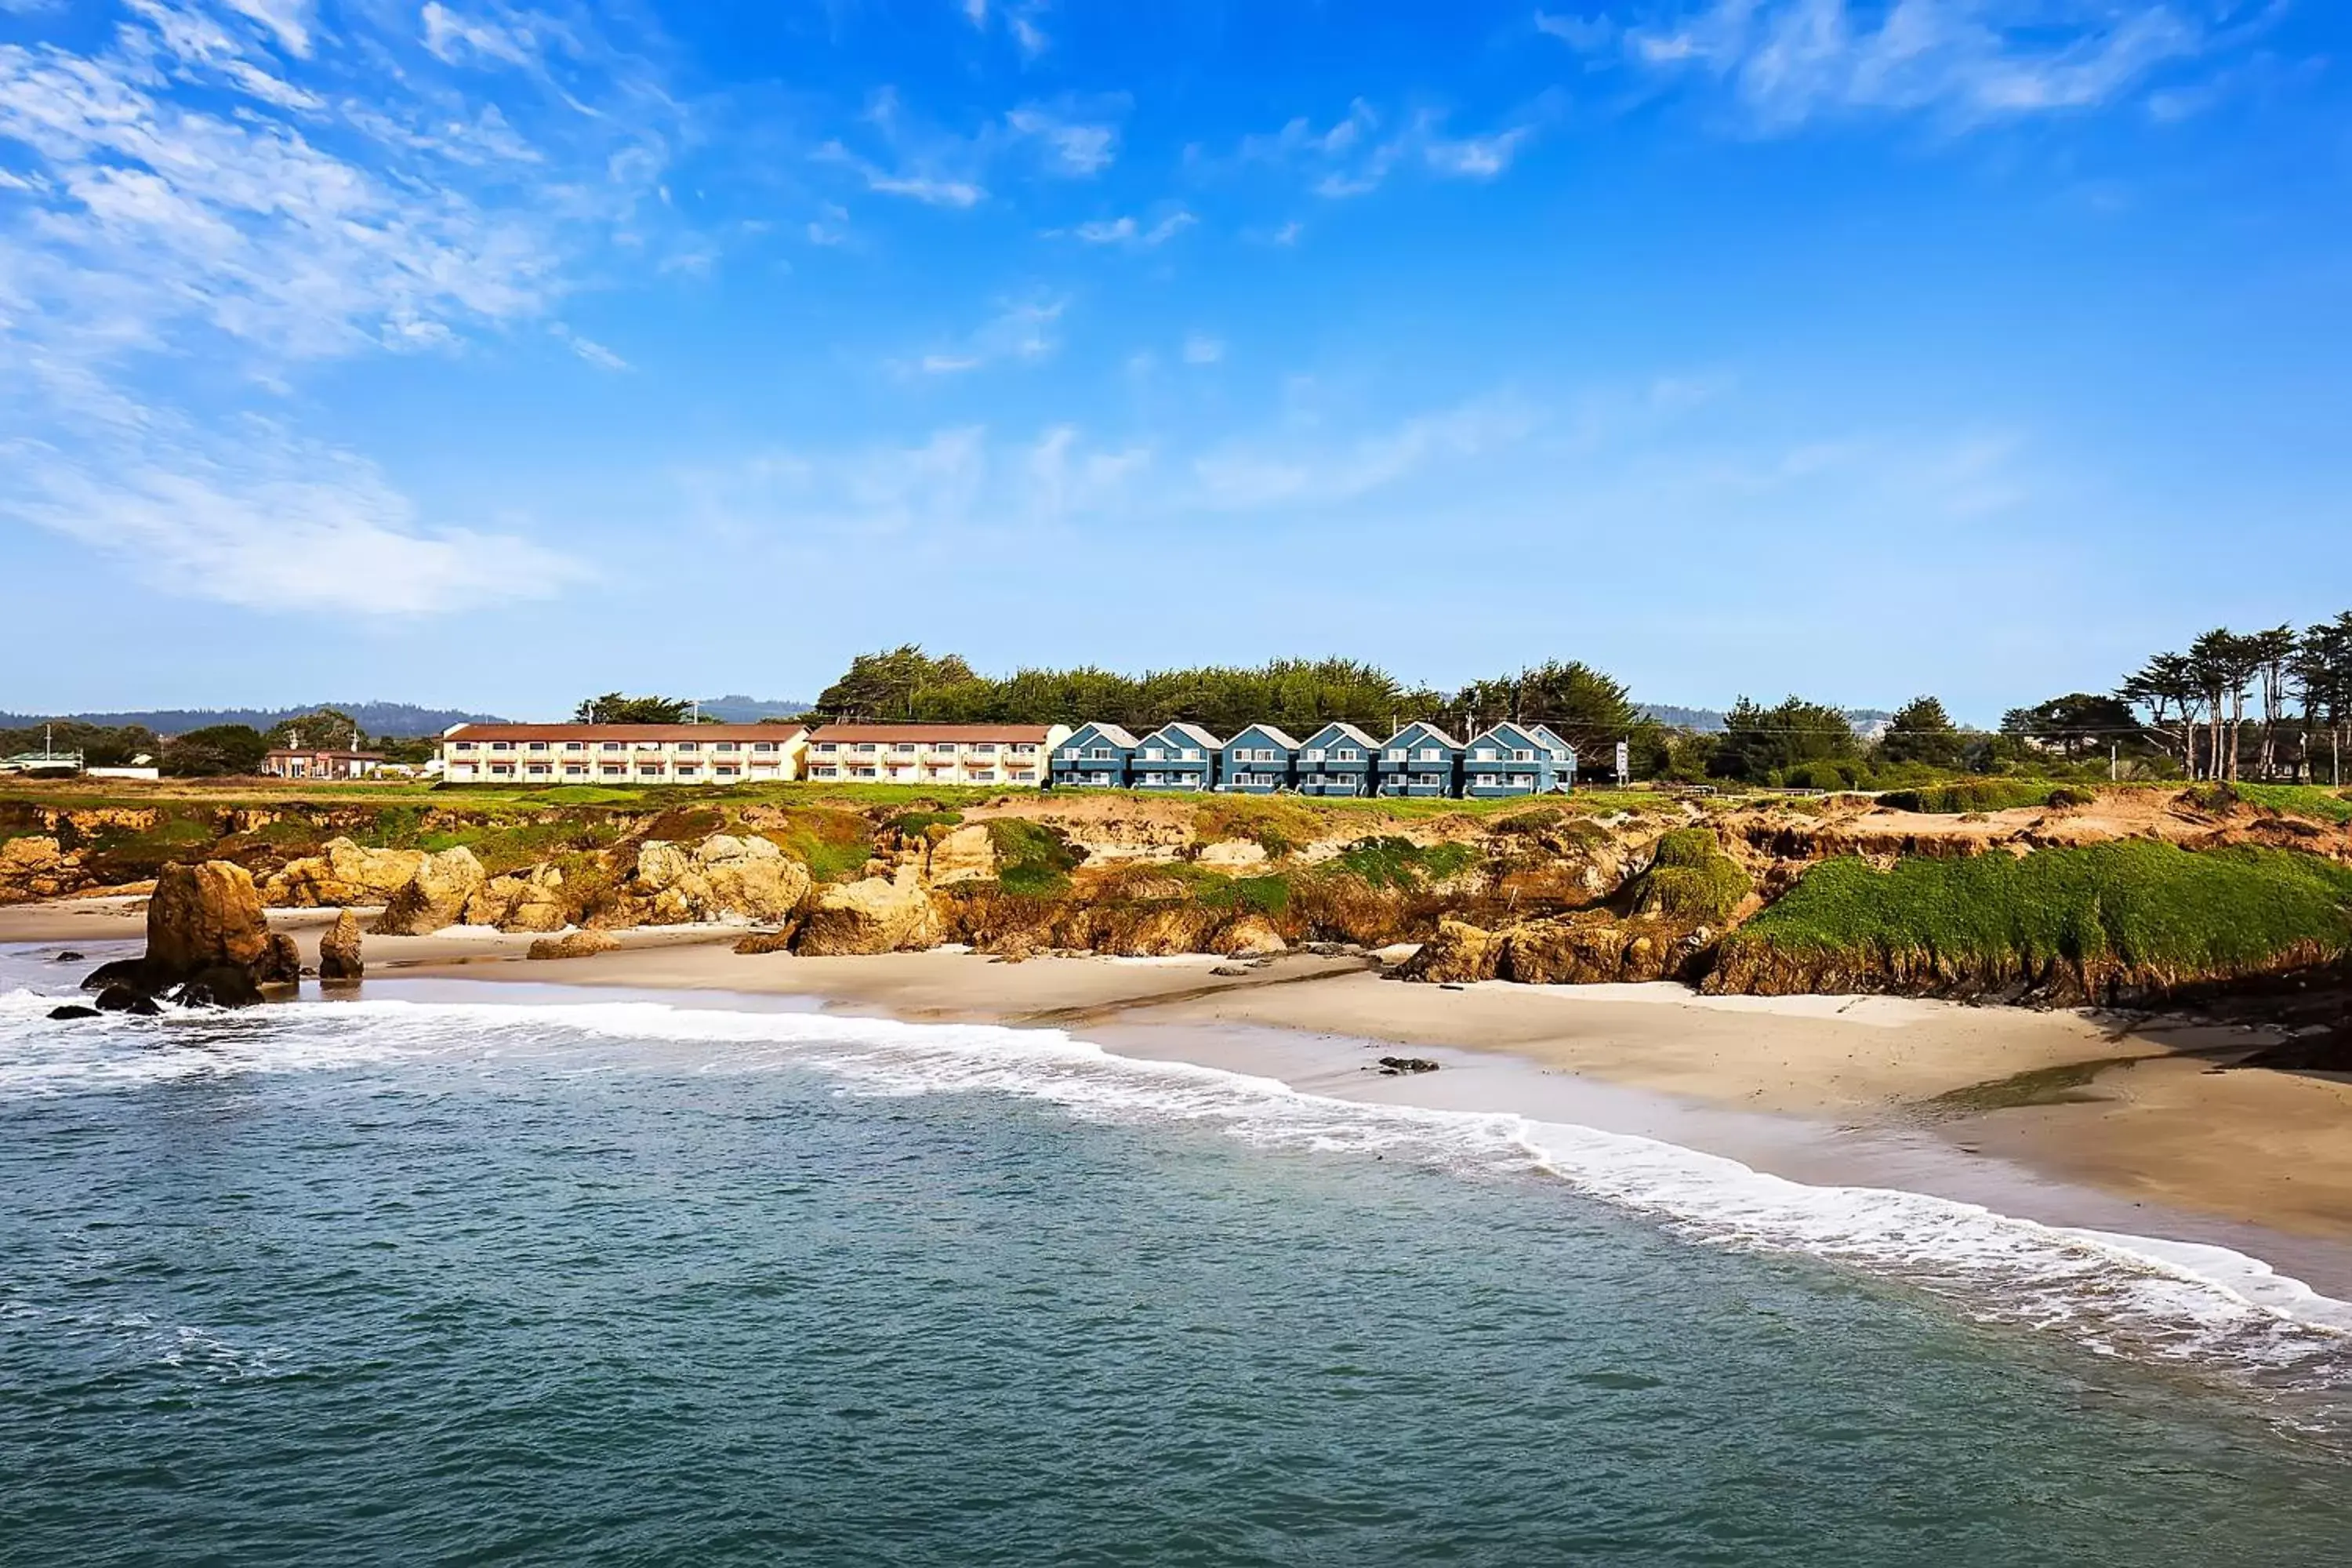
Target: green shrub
917 824
2214 796
1400 863
2137 901
1031 859
1690 878
1974 795
1268 895
2073 795
2300 800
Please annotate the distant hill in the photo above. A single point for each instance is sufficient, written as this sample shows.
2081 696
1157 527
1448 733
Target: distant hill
1709 721
404 720
737 710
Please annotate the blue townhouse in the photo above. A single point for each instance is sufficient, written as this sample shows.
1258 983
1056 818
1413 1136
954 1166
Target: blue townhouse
1095 756
1176 756
1513 759
1420 760
1563 755
1337 760
1261 760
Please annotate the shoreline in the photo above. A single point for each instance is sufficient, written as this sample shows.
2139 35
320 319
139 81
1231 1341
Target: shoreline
2066 1119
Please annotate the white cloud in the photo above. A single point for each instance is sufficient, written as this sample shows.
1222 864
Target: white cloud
934 190
1303 471
1078 148
1353 158
1588 34
261 519
1127 231
1200 348
190 197
455 38
1970 61
588 348
1020 19
1021 330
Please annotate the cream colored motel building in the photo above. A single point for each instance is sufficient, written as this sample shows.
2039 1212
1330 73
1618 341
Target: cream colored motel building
1004 754
1012 754
621 754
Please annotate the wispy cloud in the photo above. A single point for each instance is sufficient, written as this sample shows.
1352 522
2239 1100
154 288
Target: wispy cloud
1128 231
1021 331
1968 61
1022 20
202 188
1077 147
1200 348
1356 154
1303 469
257 517
588 348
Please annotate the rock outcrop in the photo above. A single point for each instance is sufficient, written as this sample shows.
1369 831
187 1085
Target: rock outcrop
342 873
530 900
574 944
1598 951
876 915
966 853
725 880
1459 954
1248 936
207 937
435 896
339 951
36 866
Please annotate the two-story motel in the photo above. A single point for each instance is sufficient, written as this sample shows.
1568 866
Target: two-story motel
1011 755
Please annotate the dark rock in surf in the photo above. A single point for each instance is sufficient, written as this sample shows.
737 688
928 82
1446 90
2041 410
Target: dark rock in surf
123 999
73 1010
1402 1066
222 985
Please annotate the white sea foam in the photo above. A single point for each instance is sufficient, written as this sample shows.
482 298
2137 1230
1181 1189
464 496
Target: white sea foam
2121 1294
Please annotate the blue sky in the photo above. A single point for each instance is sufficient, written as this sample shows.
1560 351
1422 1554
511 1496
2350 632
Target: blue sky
472 353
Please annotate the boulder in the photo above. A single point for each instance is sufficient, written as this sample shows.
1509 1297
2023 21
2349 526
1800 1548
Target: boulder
1156 930
205 916
725 880
765 941
1599 952
529 900
435 896
968 854
281 962
1233 854
338 949
341 874
876 915
574 944
1247 936
1459 954
123 999
73 1010
221 985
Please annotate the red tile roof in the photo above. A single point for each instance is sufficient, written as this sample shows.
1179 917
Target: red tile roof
664 733
1028 734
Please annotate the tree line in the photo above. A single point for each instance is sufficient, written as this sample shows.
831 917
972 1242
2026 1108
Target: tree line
1586 708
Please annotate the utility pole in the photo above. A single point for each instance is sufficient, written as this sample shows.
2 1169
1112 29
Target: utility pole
2115 761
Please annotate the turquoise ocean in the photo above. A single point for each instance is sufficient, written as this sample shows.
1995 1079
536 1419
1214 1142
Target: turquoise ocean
574 1279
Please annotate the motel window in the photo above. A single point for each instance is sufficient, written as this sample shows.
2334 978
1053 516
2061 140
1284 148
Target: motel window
944 746
727 769
1343 756
537 746
864 748
689 745
764 746
502 745
575 769
1100 755
505 768
724 746
905 748
867 772
536 769
616 770
610 745
1024 749
827 747
575 745
465 746
985 748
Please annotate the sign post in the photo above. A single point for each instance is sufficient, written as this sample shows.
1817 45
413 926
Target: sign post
1625 763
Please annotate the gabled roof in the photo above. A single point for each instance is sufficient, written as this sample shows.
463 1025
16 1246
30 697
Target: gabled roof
1548 732
1524 732
1270 732
1111 733
1426 727
1350 731
1192 733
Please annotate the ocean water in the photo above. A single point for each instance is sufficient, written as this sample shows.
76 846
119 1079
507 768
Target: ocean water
617 1282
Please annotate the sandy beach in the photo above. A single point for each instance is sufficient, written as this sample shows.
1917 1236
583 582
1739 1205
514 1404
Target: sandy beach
2011 1106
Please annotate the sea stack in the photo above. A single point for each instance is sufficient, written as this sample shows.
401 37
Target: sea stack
207 942
339 951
